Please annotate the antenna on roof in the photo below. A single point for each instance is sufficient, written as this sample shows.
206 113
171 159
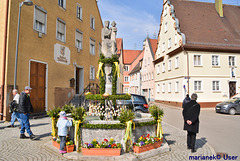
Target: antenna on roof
155 35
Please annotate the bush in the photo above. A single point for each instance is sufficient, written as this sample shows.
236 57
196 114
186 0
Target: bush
126 115
156 112
67 108
54 113
79 113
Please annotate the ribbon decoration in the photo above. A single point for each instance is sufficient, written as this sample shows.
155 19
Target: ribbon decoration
100 65
76 130
128 134
53 127
159 129
117 71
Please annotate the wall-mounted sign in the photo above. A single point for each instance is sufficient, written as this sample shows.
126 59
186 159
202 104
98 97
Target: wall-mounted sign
61 54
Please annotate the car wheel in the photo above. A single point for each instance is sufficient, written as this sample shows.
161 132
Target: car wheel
232 111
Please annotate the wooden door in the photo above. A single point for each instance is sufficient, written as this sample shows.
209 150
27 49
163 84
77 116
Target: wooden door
77 80
38 85
232 89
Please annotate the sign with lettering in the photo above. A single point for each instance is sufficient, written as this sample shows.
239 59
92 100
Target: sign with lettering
61 54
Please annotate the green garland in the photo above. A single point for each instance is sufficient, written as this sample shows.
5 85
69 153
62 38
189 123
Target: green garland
110 97
140 124
104 60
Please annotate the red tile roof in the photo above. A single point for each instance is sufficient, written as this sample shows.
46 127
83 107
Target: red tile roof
153 43
130 55
119 42
205 29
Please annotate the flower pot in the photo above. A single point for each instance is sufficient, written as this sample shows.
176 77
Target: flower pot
56 144
69 148
101 151
140 149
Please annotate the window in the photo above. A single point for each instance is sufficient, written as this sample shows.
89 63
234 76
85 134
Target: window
176 62
92 22
126 79
61 30
197 85
169 87
216 85
147 77
231 60
40 19
169 43
79 37
62 3
165 11
163 67
169 64
176 87
158 88
92 73
163 88
175 40
148 61
145 62
126 68
152 76
163 47
165 27
197 60
158 69
79 11
215 60
92 46
126 90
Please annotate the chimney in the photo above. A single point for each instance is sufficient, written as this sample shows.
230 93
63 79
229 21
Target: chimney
219 7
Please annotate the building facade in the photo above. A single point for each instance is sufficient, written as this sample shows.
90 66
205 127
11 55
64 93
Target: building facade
59 46
147 71
198 50
119 42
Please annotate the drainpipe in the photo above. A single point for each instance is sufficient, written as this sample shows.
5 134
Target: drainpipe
187 67
4 61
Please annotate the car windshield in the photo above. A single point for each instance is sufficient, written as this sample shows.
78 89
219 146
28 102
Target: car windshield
138 98
232 100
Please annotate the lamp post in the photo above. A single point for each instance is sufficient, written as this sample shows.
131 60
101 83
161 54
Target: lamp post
27 3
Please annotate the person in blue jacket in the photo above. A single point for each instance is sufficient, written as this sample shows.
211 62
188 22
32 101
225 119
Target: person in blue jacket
62 124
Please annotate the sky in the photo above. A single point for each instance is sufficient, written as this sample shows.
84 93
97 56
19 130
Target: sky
137 18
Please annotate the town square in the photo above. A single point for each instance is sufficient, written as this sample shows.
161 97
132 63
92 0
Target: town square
119 80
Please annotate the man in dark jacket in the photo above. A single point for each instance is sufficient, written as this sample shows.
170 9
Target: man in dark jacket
191 113
25 107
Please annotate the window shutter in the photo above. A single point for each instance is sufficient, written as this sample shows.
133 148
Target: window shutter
61 27
40 16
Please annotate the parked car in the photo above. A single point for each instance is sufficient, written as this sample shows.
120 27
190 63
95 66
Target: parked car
137 102
231 106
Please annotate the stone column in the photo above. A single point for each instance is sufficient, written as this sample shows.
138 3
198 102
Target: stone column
108 78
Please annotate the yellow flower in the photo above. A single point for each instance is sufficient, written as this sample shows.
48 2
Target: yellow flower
140 138
97 146
94 140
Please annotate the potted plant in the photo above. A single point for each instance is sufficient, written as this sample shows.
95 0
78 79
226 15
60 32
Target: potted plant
69 146
146 143
105 148
54 114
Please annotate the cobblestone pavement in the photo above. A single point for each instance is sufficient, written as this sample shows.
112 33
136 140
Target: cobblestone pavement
13 149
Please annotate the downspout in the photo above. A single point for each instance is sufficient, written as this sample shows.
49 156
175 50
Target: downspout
187 67
4 61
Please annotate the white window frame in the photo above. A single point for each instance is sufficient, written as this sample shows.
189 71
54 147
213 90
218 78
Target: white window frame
158 88
92 23
196 85
165 27
92 72
79 12
57 32
169 87
152 75
37 22
80 40
216 88
163 67
163 47
126 78
215 60
163 88
230 63
198 62
145 62
169 65
165 11
158 69
126 89
92 46
177 62
148 61
62 3
169 43
126 68
176 86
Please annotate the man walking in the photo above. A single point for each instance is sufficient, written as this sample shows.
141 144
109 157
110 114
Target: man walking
191 112
25 107
14 108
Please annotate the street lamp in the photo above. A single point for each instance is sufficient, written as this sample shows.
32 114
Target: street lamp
27 3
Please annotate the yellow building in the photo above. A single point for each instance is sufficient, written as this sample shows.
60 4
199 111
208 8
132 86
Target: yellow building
58 52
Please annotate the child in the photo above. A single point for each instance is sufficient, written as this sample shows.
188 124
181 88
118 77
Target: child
62 124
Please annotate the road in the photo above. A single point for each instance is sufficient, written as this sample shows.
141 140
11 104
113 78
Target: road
221 131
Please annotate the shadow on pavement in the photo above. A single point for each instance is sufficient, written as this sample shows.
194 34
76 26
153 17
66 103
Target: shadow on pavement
42 124
169 141
38 137
200 143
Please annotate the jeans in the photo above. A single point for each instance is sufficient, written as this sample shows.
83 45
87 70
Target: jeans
15 115
191 139
62 142
25 124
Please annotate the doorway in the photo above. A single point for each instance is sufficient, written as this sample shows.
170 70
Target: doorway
79 80
232 89
38 85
